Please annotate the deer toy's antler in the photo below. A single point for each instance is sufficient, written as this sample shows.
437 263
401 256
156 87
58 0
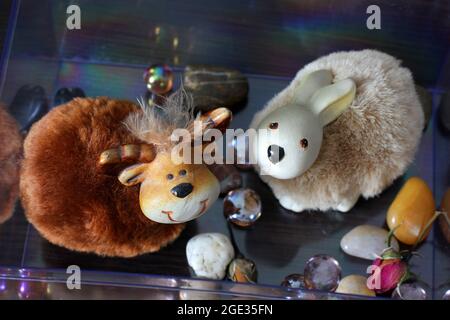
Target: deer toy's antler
112 160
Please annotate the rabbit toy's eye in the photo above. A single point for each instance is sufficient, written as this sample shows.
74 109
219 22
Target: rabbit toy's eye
304 143
273 125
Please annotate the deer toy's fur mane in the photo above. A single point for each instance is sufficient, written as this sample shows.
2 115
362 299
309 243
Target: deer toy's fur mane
156 123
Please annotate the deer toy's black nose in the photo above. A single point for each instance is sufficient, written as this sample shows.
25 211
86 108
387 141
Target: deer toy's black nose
182 190
275 153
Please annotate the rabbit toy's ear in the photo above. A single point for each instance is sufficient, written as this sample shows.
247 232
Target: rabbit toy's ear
310 84
331 101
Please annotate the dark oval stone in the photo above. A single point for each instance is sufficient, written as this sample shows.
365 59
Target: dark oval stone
65 95
212 86
29 105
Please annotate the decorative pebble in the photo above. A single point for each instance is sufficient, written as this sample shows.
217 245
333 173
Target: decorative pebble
159 78
295 280
445 206
242 270
426 101
242 207
213 86
322 272
366 242
29 105
228 176
411 210
410 291
209 254
355 284
64 95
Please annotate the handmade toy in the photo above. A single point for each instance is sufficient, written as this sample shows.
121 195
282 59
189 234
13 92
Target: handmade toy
98 176
347 125
10 152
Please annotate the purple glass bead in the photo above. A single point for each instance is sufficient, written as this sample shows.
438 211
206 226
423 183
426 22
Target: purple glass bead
322 272
410 291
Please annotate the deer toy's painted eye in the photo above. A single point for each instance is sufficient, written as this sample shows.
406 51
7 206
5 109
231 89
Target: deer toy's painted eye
169 176
304 143
273 125
182 172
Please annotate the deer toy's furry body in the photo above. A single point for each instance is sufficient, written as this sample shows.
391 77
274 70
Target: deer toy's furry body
368 146
68 199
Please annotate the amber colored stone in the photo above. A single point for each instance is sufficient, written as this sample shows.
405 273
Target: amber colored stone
411 210
242 270
445 206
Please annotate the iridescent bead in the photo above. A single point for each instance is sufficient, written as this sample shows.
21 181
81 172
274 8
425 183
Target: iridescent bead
295 280
159 78
322 272
242 207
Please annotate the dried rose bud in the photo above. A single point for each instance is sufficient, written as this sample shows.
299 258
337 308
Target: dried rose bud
387 273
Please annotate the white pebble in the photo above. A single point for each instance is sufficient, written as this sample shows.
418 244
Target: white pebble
209 254
366 242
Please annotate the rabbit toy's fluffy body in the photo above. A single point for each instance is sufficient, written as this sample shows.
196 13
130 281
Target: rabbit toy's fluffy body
368 146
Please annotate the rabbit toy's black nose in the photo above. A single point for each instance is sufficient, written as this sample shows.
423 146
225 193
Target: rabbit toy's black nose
182 190
275 153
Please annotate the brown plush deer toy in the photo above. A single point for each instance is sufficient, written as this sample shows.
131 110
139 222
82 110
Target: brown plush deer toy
98 175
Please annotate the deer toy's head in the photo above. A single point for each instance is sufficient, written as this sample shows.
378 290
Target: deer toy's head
292 135
170 191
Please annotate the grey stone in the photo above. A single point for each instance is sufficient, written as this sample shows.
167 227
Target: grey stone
213 86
